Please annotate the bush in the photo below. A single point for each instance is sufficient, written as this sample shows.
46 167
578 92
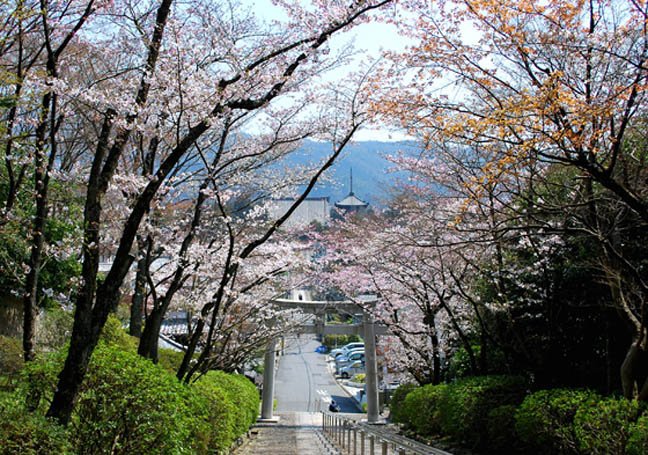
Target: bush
397 403
502 437
242 394
333 341
465 404
545 420
11 360
113 333
220 413
130 406
604 427
170 360
422 409
28 433
127 405
638 439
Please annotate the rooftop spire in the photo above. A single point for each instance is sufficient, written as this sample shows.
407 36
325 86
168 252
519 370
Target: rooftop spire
351 181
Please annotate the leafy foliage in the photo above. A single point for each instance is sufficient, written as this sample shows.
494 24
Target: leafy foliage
545 420
422 407
397 404
604 427
29 433
128 405
502 436
241 393
464 406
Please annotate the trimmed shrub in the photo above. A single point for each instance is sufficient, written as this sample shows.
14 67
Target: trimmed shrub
464 406
127 405
114 333
422 409
130 406
502 437
170 360
241 392
220 413
545 420
397 403
604 427
638 439
29 433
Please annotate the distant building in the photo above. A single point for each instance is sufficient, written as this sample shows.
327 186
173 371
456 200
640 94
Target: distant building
312 209
351 203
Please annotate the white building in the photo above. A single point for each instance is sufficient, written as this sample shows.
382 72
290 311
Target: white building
312 209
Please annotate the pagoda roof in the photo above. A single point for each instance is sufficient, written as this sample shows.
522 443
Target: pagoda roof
351 201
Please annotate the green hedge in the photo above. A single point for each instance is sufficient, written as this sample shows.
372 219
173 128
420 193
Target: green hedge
397 403
460 409
638 440
464 406
423 409
545 420
241 392
129 406
605 427
28 433
333 341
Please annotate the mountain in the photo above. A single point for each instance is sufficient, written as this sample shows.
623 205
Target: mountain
371 170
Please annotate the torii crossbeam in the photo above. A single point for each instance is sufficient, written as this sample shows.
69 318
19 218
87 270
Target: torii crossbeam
320 308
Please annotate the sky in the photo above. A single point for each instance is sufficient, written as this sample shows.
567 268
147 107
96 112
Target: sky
370 38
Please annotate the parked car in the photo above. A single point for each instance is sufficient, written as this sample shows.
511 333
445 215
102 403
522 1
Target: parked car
344 357
346 348
357 367
349 359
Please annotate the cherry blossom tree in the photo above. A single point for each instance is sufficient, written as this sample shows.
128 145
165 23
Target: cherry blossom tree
162 79
537 91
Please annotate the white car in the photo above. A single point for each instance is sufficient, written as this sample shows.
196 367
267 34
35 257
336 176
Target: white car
335 353
357 367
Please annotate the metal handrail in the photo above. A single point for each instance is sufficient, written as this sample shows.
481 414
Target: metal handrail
350 437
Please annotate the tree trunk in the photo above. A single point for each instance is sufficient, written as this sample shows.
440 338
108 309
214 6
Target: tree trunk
148 345
633 373
137 303
191 349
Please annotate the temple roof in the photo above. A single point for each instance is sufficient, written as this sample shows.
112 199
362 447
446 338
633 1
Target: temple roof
351 201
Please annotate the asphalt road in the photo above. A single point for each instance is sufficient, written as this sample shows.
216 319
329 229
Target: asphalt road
303 382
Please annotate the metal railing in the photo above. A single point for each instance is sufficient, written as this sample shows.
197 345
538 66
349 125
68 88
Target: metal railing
356 438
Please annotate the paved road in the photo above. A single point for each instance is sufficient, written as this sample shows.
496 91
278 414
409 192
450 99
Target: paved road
303 386
304 383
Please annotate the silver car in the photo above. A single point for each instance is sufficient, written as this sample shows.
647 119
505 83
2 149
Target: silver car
349 359
335 353
357 367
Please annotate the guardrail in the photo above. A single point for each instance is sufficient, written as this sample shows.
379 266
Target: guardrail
356 438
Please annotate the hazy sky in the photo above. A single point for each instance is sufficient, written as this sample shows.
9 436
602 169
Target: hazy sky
369 38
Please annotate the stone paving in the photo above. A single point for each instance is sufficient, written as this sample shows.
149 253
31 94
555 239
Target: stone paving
296 433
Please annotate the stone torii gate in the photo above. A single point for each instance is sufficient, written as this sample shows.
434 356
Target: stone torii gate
368 330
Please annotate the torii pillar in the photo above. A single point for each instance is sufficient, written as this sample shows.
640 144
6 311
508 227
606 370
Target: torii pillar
267 399
371 368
